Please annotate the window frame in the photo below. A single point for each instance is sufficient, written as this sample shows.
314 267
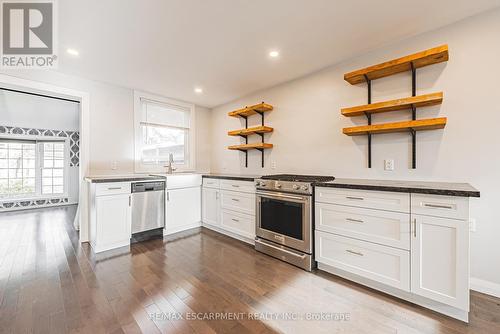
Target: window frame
190 150
39 140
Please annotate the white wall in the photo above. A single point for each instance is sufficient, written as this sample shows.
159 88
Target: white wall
22 110
111 121
308 125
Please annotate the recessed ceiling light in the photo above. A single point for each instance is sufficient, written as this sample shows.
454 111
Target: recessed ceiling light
198 90
72 52
274 54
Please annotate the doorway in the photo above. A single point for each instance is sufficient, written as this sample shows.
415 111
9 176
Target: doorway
46 148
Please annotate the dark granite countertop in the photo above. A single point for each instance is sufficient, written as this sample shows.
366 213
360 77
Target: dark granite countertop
237 177
432 188
122 178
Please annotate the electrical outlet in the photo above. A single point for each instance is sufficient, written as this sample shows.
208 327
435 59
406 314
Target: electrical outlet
472 225
273 165
114 165
389 164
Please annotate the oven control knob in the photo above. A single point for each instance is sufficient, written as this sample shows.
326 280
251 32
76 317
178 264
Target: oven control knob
295 187
304 187
258 183
277 185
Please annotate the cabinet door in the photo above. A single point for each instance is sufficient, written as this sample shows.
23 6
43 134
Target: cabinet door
238 223
440 260
183 209
113 217
210 206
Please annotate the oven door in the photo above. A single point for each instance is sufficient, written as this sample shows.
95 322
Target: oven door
285 219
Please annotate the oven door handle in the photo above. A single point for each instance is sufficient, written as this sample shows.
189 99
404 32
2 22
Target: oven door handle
277 195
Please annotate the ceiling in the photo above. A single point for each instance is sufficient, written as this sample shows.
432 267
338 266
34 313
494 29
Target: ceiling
169 47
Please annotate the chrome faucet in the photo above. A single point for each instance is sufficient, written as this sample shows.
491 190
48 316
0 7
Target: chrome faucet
170 168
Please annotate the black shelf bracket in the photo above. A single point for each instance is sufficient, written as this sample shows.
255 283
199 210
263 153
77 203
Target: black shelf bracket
413 117
369 118
246 137
262 117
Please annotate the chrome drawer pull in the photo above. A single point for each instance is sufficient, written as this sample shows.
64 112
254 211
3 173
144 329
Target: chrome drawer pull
114 188
356 198
354 220
437 206
235 199
235 186
354 252
235 220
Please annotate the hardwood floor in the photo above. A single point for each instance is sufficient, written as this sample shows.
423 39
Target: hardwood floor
49 283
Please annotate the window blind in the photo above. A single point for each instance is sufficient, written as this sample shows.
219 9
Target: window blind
164 114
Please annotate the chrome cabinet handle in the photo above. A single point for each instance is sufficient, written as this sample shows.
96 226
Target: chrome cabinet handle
235 199
129 200
168 196
354 220
356 198
354 252
235 186
114 188
438 206
216 195
235 220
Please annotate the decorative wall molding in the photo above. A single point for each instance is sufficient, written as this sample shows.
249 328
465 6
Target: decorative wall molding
26 204
73 136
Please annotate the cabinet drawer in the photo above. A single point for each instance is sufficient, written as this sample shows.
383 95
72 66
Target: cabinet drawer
241 202
115 188
211 183
382 227
440 206
243 186
380 200
383 264
238 223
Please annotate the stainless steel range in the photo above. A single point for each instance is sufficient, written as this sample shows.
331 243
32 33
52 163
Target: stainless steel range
284 214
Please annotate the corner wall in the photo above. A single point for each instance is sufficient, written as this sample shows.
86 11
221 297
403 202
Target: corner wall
308 126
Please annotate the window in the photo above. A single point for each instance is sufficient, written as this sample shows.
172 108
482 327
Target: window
52 167
163 127
17 169
31 169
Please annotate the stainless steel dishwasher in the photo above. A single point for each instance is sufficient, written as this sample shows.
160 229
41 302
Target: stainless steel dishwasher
148 206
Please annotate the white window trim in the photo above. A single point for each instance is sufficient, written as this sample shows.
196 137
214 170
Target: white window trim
143 168
38 176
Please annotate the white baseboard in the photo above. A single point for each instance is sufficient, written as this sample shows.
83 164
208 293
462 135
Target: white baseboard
486 287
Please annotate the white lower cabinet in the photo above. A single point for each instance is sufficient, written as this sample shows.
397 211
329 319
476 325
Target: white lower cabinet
421 256
383 264
229 207
110 216
440 260
210 206
239 223
183 209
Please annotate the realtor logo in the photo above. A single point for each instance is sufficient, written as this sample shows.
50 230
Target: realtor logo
28 34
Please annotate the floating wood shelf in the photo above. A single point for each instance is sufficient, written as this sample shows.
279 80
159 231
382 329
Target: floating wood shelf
254 146
417 125
393 105
252 110
251 131
261 130
428 57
